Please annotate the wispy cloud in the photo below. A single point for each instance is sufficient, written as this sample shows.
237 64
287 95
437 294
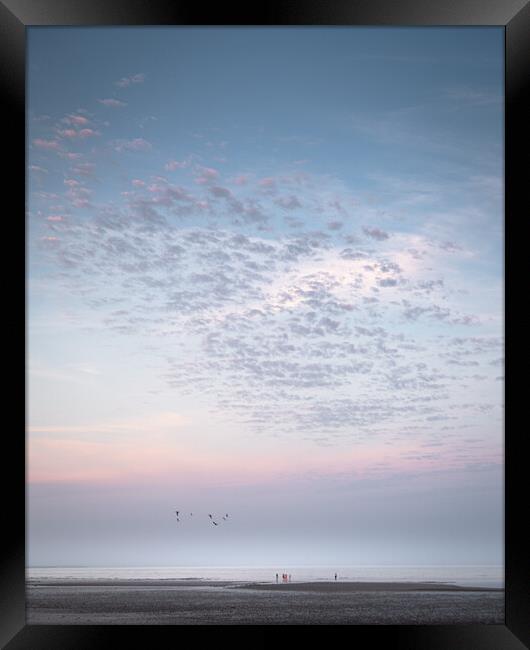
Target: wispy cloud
77 120
51 145
206 175
173 165
165 421
74 133
466 96
124 82
112 103
136 144
375 233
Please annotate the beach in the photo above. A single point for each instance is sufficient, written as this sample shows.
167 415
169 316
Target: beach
199 602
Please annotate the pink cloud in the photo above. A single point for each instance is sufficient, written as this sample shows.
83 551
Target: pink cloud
124 82
206 175
54 217
80 203
117 460
68 133
172 165
53 145
178 193
267 185
299 178
112 103
155 188
138 183
164 458
221 192
84 169
375 233
138 144
242 179
71 182
87 133
79 196
47 196
163 193
288 202
78 120
83 133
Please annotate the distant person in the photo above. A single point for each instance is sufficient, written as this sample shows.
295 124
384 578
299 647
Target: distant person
289 577
335 576
276 578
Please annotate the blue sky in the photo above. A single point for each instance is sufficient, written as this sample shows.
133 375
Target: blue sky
267 262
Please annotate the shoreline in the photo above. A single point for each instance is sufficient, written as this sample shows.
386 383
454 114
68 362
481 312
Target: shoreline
313 587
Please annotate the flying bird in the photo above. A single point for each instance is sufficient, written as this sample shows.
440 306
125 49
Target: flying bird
210 515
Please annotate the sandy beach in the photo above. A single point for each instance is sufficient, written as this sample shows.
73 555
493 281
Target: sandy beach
194 602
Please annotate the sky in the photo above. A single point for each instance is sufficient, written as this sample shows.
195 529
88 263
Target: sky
265 277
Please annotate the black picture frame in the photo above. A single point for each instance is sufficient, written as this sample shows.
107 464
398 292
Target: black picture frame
514 16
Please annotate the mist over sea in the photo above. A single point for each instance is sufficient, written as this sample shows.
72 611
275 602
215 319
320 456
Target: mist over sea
476 576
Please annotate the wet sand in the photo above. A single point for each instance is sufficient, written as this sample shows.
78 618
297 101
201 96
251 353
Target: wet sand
193 602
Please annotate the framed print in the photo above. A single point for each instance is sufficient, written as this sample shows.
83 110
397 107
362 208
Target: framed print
267 256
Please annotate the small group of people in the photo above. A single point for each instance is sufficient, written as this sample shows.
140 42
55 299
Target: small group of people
285 577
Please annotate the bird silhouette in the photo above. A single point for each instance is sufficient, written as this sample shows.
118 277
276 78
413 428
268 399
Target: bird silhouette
210 515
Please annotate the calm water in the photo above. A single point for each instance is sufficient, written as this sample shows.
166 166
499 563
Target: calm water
477 576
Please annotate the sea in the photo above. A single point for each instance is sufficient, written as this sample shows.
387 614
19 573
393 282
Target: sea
465 576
